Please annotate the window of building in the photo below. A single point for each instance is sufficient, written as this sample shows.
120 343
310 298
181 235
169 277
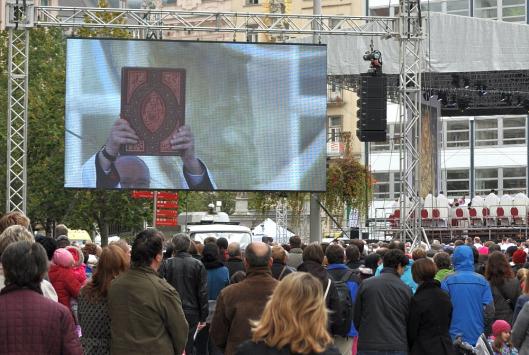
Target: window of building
486 132
381 189
486 180
252 2
381 11
458 7
514 130
251 36
457 182
513 11
335 128
486 8
514 180
457 134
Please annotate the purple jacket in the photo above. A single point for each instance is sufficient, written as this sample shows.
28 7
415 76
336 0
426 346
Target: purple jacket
33 324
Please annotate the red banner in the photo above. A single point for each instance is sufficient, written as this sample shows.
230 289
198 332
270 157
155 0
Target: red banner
166 213
168 222
142 194
168 195
166 204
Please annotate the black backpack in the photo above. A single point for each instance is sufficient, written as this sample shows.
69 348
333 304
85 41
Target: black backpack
345 317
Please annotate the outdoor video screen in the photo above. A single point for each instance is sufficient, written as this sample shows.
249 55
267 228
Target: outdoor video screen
195 115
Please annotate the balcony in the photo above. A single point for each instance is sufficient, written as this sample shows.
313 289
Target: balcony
335 149
335 96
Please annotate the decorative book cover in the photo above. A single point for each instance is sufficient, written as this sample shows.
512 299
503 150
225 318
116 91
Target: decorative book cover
153 101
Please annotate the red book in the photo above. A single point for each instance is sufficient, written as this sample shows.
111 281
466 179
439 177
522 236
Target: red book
153 101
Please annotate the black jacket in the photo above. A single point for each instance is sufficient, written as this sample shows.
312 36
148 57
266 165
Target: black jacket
429 321
234 265
509 291
189 277
251 348
279 269
332 301
381 313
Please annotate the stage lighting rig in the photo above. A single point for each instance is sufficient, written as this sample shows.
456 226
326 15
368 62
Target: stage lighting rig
374 56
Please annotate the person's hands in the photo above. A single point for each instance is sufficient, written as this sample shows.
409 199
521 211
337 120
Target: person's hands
201 325
184 142
121 133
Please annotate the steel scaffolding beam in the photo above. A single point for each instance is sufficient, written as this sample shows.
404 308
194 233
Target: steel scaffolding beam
282 221
173 20
21 17
410 40
17 106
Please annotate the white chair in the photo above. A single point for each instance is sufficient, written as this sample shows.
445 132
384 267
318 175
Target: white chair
427 210
491 203
503 211
441 203
519 209
475 212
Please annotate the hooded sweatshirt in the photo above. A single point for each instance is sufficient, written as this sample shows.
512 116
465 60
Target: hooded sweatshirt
470 293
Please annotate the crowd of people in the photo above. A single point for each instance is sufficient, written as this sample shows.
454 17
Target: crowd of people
177 296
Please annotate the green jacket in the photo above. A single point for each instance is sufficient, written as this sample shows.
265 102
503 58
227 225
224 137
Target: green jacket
442 274
146 315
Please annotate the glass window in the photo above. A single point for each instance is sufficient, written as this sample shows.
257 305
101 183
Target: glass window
457 182
486 173
486 132
486 180
381 188
514 130
485 3
514 172
457 134
514 180
458 7
379 12
335 121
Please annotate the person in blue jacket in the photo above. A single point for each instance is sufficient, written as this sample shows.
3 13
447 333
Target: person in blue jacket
406 277
473 305
337 269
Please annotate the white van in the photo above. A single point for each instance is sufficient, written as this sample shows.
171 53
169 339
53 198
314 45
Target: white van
233 233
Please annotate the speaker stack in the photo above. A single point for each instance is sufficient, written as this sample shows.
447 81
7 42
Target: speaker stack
372 108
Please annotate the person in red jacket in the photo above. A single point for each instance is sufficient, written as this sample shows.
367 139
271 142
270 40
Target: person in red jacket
31 323
62 276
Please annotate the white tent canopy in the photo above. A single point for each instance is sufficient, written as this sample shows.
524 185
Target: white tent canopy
269 228
454 44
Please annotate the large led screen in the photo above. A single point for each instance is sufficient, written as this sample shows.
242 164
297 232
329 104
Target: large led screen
195 115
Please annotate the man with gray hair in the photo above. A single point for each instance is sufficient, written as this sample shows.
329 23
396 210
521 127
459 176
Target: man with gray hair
239 303
189 277
234 262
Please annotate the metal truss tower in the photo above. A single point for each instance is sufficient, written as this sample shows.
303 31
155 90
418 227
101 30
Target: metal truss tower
411 56
22 16
282 221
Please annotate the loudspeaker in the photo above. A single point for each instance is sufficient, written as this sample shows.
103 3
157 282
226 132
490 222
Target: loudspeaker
372 108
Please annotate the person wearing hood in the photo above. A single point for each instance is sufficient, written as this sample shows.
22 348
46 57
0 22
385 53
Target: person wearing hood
471 296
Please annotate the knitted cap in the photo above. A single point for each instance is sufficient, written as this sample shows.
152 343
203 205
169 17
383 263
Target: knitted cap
500 326
63 257
519 257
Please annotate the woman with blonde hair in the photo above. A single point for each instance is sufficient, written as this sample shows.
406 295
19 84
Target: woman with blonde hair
293 321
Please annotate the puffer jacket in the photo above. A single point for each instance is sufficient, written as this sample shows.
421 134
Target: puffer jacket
32 324
189 277
65 283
